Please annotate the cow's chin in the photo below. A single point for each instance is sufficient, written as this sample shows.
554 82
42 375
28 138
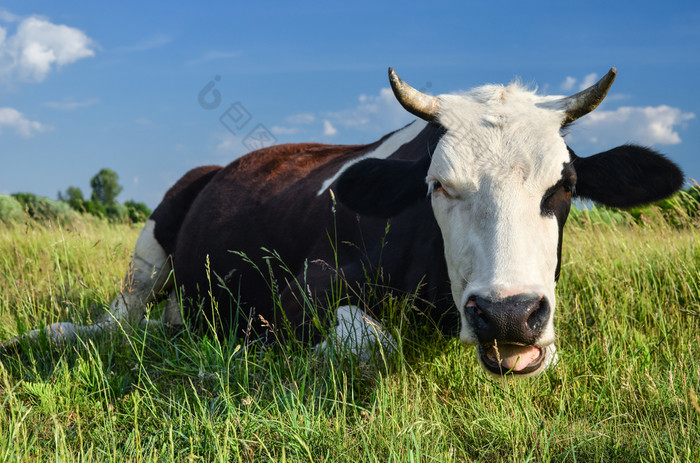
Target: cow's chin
515 360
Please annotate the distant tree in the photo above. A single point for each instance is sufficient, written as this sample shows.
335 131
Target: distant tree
74 198
95 208
117 213
138 212
102 203
105 187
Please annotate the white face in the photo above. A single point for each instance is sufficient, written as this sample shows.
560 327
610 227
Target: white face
487 179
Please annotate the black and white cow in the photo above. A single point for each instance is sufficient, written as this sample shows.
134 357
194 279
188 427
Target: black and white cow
477 191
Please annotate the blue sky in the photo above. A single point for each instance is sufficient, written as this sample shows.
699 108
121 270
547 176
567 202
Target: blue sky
87 85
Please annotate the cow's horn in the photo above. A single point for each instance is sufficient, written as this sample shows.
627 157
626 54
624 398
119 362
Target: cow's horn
587 100
417 103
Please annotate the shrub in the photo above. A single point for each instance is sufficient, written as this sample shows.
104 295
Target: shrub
116 213
137 212
679 210
11 210
600 214
95 208
41 208
74 198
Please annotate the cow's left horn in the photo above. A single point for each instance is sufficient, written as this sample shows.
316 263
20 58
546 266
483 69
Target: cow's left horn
417 103
587 100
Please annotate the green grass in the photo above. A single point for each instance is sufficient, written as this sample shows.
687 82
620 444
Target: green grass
625 389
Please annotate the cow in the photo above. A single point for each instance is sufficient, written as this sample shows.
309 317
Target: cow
464 207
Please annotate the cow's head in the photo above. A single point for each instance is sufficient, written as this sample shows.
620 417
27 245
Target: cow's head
500 182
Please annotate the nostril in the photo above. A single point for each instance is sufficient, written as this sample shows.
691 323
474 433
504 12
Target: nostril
477 313
539 316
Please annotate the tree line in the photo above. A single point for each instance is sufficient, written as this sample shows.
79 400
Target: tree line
102 203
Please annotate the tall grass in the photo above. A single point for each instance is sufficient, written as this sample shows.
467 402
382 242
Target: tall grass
625 388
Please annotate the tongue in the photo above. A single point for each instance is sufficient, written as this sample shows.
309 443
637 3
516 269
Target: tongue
513 357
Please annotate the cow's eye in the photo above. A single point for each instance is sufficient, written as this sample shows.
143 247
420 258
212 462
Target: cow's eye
436 187
569 186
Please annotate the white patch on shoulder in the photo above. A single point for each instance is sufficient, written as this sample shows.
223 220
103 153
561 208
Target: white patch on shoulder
383 151
360 335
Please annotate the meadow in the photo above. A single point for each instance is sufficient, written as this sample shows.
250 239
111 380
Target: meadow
625 388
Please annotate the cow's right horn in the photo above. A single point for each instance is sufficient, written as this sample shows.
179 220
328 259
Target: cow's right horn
587 100
419 104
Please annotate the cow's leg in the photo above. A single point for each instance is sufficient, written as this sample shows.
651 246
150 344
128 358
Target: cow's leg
171 319
359 334
148 276
356 332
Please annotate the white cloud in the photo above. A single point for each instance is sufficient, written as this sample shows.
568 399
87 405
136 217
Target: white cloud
294 124
328 128
301 118
8 17
38 47
13 119
377 114
587 81
281 130
69 104
214 56
650 125
568 83
146 44
227 145
144 122
372 114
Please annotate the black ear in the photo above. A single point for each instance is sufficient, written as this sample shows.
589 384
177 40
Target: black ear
626 176
383 187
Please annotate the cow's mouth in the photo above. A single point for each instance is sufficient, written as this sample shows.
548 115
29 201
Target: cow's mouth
513 359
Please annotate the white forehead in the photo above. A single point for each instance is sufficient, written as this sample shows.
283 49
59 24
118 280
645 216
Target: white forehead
499 131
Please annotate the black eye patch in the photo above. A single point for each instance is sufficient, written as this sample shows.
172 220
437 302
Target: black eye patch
556 201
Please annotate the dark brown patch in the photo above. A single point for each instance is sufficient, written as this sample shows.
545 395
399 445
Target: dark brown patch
171 211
